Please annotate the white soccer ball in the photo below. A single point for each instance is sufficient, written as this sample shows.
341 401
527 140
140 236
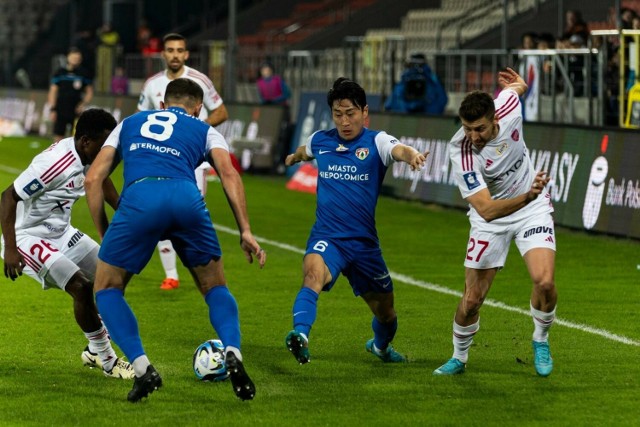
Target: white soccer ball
208 361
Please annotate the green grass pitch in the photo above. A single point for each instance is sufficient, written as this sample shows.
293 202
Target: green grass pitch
595 343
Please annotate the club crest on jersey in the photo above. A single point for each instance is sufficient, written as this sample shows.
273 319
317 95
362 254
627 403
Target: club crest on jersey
515 135
471 180
362 153
33 187
341 148
500 150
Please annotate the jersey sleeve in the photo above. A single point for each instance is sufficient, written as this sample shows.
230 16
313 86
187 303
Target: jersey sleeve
465 170
508 105
144 101
215 140
113 140
212 98
385 144
46 171
308 145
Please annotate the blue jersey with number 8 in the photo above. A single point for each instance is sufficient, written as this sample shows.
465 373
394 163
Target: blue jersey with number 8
163 143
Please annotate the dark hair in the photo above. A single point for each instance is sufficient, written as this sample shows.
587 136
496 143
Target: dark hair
184 91
93 123
74 49
476 105
343 88
174 36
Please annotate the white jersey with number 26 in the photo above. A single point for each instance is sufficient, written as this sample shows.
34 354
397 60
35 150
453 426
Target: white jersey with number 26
49 187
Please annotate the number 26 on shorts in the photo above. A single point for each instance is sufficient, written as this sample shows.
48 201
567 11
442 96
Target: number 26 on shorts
476 248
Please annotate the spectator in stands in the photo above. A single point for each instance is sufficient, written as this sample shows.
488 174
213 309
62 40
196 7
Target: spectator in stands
87 42
419 90
153 46
271 87
576 65
69 95
528 40
632 54
626 18
612 87
108 36
119 82
546 41
575 25
143 35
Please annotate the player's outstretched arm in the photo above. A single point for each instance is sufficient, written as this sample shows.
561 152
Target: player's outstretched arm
97 174
234 191
300 155
13 261
409 155
509 79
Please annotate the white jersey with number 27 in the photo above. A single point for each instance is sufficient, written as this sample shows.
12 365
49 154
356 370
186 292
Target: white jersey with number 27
503 166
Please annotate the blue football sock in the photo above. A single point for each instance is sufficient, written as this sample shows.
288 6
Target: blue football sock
120 322
383 332
305 309
223 314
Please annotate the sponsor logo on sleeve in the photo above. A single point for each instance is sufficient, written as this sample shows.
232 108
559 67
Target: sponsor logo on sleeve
471 180
33 187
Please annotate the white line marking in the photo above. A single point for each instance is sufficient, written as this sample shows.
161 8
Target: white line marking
441 289
9 169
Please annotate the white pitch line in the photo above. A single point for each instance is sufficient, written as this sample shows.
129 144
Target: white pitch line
9 169
443 290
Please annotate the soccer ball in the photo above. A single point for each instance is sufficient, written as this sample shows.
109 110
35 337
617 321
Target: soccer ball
208 361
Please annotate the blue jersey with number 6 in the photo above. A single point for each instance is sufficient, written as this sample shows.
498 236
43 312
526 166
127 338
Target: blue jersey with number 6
163 143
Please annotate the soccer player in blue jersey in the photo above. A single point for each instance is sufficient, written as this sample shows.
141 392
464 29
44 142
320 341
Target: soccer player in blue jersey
160 200
352 161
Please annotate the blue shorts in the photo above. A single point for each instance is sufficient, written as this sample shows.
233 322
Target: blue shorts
154 210
359 260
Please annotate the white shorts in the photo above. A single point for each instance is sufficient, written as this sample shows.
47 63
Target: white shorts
201 177
488 244
52 262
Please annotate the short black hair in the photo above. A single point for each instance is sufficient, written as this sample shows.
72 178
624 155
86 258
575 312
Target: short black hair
343 88
174 36
183 91
476 105
93 123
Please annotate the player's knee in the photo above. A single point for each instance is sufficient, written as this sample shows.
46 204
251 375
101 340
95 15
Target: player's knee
79 287
545 285
387 316
471 304
314 279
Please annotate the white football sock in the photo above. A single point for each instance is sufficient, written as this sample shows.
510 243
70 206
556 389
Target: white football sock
462 340
542 323
168 259
99 343
140 365
234 350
